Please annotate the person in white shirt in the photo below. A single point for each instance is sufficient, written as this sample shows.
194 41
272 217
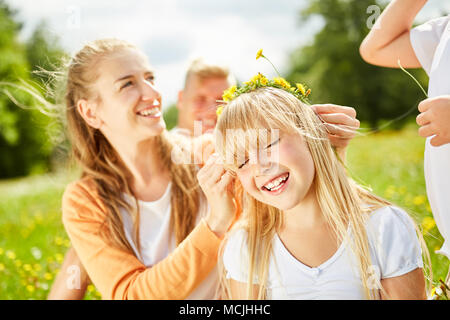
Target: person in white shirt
428 46
307 230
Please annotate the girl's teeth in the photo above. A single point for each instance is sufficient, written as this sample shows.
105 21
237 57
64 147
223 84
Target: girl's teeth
275 184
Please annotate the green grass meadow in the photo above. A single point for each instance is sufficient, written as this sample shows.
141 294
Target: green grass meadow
33 241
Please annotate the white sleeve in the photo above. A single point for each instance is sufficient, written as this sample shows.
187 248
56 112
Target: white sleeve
235 256
425 38
395 242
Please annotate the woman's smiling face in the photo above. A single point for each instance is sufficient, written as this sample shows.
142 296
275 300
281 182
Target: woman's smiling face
130 104
281 174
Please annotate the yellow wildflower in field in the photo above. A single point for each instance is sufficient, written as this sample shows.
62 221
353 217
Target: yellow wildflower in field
11 255
58 241
428 223
67 243
18 263
1 251
2 267
418 200
282 82
59 257
48 276
90 288
30 288
37 267
27 267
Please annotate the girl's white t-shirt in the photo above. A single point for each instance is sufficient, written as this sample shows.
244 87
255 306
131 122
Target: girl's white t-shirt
431 43
394 248
157 242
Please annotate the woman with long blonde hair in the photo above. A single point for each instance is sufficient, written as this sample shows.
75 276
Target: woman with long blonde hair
137 220
307 230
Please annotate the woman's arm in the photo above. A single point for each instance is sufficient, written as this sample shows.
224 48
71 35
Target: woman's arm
389 39
410 286
72 279
118 274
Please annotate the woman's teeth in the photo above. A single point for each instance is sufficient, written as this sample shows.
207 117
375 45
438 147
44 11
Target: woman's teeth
149 112
276 184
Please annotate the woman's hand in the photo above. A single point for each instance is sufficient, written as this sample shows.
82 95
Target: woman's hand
217 184
341 124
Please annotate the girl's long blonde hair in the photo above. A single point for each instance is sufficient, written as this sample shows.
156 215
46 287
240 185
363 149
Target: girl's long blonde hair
344 204
100 161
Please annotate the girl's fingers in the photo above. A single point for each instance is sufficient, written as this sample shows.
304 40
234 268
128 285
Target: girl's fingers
438 141
426 131
225 180
422 119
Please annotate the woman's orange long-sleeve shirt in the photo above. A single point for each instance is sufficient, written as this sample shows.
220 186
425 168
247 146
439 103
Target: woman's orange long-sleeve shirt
118 274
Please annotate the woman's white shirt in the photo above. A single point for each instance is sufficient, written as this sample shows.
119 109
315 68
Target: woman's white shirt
431 43
156 240
394 249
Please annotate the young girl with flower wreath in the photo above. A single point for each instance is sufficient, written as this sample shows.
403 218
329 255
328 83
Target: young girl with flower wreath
307 230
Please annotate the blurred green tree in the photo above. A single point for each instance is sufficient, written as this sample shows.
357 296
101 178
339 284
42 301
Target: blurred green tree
332 67
25 147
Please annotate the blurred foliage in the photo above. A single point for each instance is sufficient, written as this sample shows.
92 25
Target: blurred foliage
332 67
25 147
171 116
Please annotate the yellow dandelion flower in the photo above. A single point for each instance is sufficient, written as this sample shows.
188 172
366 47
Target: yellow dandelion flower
90 288
59 257
30 288
2 267
428 223
58 241
300 88
219 111
264 81
259 54
1 251
229 93
67 243
282 82
37 267
11 255
48 276
18 263
27 267
418 200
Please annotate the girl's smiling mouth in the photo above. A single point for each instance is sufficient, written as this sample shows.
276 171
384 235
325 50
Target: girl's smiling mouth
277 184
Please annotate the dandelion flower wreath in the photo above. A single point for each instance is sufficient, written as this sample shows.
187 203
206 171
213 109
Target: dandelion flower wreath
259 81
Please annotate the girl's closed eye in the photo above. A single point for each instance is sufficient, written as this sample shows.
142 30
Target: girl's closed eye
242 165
273 143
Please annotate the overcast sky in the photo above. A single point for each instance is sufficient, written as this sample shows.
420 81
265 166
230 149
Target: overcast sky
172 32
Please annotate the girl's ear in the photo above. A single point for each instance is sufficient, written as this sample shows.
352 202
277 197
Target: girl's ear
87 110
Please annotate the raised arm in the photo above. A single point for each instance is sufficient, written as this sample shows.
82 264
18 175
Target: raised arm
389 39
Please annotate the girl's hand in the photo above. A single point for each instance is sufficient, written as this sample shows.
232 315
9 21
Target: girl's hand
217 184
435 119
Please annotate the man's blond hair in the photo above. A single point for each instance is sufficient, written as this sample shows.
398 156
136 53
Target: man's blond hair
203 70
